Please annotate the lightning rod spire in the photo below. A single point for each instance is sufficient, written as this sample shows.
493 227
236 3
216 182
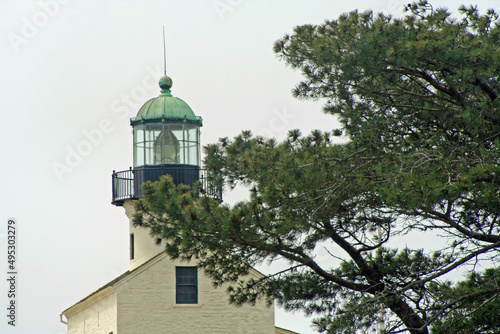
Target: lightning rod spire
164 53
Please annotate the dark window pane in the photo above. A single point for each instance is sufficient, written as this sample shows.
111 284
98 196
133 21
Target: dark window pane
187 285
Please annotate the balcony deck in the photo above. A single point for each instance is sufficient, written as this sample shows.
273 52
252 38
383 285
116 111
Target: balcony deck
127 183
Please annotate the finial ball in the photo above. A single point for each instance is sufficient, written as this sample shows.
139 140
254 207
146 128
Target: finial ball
165 82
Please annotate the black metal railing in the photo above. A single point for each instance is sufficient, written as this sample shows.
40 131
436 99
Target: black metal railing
127 183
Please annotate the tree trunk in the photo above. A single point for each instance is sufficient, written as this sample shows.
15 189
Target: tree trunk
412 321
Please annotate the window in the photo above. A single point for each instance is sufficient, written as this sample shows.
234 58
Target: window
186 286
132 248
166 143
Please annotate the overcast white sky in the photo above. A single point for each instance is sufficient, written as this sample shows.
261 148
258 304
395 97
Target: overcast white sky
70 69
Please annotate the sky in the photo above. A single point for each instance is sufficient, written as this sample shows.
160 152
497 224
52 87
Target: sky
73 72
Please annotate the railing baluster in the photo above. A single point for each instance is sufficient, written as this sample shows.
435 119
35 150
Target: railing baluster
126 184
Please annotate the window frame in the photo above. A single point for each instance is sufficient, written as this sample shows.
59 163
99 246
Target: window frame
132 246
146 136
179 286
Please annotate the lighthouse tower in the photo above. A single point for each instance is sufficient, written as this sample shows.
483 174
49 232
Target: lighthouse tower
158 294
166 141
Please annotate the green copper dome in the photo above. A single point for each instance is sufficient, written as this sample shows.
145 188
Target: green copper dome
166 108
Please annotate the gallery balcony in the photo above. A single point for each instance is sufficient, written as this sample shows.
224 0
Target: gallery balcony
127 184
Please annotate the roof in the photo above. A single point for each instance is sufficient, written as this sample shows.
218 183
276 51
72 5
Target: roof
279 330
166 107
115 281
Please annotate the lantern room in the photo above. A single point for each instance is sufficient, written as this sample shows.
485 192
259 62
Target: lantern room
166 131
166 141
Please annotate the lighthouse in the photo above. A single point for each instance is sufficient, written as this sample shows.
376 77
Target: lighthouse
166 137
159 294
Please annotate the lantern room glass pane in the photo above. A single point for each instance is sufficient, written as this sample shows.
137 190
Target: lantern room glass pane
177 131
152 141
166 143
191 146
139 145
166 146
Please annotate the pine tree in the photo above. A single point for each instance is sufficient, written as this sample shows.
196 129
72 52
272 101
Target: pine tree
417 98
